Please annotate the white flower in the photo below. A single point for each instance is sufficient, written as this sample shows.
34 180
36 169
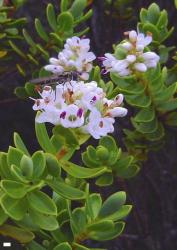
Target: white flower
79 105
72 116
140 67
74 57
99 126
135 58
150 59
51 115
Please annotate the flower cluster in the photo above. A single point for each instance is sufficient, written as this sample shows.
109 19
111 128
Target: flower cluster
134 57
74 57
79 105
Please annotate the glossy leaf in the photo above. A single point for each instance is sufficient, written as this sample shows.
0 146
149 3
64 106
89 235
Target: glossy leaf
20 144
65 190
112 204
14 189
39 163
16 209
41 202
81 172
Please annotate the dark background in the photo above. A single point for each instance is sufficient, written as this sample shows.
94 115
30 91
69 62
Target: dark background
152 225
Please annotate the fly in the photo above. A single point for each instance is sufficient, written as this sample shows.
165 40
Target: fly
56 78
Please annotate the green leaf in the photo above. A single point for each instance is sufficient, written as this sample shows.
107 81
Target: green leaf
108 235
26 166
41 202
112 204
19 234
51 17
4 168
67 134
33 245
46 222
39 163
145 115
141 101
14 189
63 5
109 143
21 92
63 246
77 8
29 39
14 156
17 174
17 50
84 18
175 3
148 27
81 172
65 21
40 30
153 13
101 226
20 144
53 166
3 216
16 209
43 138
120 213
105 180
65 190
93 205
78 220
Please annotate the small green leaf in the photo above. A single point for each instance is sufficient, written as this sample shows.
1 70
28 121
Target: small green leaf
53 166
43 138
3 216
17 50
46 222
40 30
16 209
20 144
21 92
14 156
108 235
93 205
101 226
17 174
41 202
78 220
19 234
33 245
51 17
63 5
65 190
105 180
120 214
77 8
65 21
26 166
39 163
112 204
14 189
81 172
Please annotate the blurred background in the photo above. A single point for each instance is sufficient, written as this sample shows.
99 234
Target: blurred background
152 225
